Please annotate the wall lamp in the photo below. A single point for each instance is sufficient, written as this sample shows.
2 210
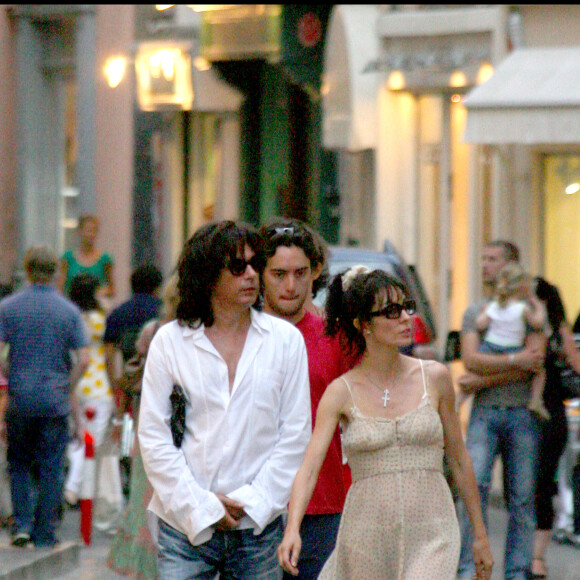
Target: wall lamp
115 70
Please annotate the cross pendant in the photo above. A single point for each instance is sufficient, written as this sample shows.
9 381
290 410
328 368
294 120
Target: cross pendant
385 397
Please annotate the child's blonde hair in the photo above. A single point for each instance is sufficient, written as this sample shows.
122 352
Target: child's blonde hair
510 280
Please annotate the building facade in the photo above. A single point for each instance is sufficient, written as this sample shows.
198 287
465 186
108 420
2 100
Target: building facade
444 181
159 121
370 122
67 138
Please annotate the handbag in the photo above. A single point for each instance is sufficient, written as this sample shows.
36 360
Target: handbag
570 381
177 399
569 378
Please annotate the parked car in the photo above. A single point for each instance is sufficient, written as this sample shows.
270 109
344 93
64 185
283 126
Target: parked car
424 332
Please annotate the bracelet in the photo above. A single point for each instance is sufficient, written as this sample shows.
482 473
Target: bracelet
512 357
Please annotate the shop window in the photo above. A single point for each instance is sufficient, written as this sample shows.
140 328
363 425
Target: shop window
562 227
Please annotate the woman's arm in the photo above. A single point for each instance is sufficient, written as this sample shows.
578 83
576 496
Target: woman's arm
109 290
327 417
62 274
571 351
535 313
461 468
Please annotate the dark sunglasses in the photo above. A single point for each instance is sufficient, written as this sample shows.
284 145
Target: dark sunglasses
394 309
238 266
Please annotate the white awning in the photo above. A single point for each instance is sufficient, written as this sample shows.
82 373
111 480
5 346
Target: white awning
533 97
349 94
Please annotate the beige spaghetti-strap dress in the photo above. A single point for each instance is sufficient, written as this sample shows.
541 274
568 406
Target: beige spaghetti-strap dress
399 519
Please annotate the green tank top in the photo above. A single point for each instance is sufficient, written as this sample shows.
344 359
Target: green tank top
74 268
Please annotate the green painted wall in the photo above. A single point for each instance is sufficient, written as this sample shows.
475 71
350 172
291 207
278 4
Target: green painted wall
275 143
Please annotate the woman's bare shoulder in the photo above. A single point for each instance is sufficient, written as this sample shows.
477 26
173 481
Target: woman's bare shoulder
439 377
338 390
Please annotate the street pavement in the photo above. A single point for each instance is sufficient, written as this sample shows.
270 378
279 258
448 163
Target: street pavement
563 561
71 561
92 558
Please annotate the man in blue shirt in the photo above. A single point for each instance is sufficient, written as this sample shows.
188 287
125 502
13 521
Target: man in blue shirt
47 356
126 320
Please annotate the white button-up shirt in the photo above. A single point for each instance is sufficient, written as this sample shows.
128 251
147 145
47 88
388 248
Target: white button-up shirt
247 445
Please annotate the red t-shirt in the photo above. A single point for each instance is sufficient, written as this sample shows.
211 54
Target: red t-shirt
326 362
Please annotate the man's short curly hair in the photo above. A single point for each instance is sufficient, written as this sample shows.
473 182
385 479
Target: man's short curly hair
292 232
40 263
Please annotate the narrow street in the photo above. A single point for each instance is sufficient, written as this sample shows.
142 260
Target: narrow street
563 561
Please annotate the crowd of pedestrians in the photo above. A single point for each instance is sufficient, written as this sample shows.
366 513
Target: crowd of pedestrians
245 399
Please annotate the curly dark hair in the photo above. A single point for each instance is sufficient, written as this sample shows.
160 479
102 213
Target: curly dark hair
356 302
289 232
83 291
209 250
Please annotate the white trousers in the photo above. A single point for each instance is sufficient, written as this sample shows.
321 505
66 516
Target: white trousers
97 427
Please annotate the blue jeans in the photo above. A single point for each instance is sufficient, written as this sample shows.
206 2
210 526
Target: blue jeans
36 452
512 433
235 554
318 534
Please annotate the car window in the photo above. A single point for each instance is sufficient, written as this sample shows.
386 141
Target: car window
343 258
337 265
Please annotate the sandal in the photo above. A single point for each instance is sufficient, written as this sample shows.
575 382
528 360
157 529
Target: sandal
535 576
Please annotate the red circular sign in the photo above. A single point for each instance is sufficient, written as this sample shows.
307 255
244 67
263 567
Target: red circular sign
309 30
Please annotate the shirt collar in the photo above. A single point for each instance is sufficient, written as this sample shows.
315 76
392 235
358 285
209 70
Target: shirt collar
258 321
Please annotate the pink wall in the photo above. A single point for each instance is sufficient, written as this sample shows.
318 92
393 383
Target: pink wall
8 150
114 142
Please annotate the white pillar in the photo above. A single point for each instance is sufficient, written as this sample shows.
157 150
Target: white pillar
444 220
85 73
40 143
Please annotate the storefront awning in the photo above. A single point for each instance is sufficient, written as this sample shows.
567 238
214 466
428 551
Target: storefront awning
533 97
349 92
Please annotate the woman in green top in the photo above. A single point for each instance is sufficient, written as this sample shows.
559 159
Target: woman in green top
88 258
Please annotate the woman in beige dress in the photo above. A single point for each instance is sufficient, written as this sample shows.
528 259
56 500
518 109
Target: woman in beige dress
398 417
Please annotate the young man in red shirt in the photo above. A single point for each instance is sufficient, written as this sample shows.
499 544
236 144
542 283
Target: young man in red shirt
295 258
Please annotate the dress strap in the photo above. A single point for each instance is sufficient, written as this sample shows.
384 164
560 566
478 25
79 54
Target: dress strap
425 394
349 391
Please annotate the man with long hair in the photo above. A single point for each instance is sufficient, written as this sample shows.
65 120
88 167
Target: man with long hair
220 495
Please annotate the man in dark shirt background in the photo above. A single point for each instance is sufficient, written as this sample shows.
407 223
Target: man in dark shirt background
124 323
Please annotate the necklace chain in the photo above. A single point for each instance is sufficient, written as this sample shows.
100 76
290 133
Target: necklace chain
386 393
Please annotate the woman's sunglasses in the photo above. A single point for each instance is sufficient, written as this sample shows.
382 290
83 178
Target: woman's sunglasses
238 266
394 309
